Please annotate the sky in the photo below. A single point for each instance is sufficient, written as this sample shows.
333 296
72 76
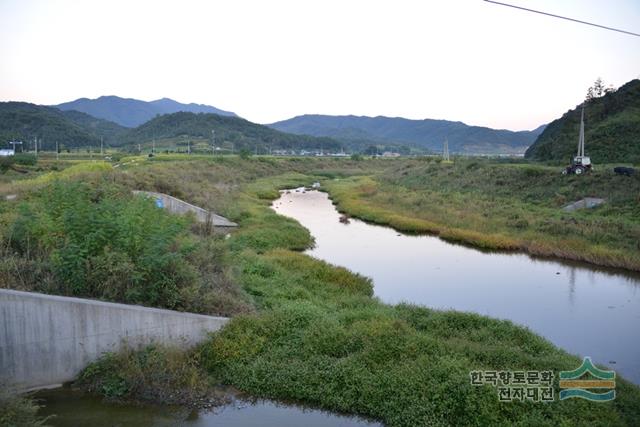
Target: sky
462 60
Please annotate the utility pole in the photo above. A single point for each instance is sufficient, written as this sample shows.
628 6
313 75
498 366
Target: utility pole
35 140
445 155
581 139
57 152
188 146
101 141
153 146
213 141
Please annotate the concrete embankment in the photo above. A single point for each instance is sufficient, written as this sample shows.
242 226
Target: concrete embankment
178 206
47 340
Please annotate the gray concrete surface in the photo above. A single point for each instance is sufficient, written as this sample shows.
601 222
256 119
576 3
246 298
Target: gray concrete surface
47 339
178 206
586 203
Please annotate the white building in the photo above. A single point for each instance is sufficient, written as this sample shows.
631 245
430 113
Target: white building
6 152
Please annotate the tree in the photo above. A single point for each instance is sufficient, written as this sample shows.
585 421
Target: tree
598 89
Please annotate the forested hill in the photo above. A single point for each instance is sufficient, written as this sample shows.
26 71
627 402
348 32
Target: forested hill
111 133
612 129
427 134
24 122
134 112
228 130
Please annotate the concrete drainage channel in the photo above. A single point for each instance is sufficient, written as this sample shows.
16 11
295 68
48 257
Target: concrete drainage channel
46 340
177 206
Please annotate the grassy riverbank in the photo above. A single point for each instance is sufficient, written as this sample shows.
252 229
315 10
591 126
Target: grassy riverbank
317 336
503 207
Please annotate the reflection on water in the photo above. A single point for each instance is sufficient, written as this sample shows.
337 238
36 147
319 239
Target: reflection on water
72 408
586 311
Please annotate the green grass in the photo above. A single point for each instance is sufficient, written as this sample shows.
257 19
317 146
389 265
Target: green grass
320 338
19 410
504 207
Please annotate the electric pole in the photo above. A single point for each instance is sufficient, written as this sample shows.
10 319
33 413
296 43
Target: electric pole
446 150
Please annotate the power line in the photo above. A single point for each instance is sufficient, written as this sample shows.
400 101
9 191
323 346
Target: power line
563 17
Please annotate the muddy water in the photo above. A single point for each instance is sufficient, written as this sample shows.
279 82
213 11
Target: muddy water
582 309
72 408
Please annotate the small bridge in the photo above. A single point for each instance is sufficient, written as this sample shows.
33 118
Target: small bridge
178 206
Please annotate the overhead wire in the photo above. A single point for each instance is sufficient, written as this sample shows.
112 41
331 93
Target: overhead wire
563 17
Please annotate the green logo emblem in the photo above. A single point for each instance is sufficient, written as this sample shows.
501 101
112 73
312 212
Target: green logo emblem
572 386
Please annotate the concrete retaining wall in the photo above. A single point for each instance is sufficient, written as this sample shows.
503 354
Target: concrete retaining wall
586 203
178 206
47 340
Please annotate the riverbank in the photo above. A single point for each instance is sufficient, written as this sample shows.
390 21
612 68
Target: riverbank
503 207
317 335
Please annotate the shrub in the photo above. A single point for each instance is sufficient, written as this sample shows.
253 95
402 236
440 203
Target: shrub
103 243
16 410
25 159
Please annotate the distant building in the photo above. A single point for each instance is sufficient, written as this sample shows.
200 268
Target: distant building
390 154
6 152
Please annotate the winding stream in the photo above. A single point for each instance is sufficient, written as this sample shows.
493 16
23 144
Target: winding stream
585 310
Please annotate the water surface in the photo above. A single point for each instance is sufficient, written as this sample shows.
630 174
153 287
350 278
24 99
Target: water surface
73 408
582 309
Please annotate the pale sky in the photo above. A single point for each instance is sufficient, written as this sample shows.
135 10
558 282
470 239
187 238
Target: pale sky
465 60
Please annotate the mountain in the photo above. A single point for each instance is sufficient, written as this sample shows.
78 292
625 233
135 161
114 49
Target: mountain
240 133
612 129
24 122
427 134
133 112
111 133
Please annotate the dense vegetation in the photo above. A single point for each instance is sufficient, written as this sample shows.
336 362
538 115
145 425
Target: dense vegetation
133 112
111 133
99 241
20 121
229 132
426 134
612 129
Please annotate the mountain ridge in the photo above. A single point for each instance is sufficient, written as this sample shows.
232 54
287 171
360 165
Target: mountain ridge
426 133
131 112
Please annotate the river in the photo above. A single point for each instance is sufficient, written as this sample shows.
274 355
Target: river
583 309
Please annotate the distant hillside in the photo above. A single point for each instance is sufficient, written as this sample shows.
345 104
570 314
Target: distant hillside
23 122
133 112
112 133
228 130
612 129
427 134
